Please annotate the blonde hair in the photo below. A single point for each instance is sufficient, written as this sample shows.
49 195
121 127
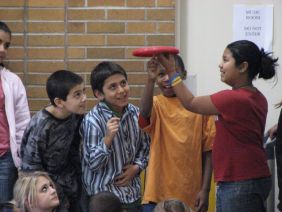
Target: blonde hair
25 189
171 205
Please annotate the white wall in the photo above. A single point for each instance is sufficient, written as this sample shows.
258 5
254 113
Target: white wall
204 29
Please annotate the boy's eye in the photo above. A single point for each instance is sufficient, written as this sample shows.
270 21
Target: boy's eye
161 74
123 83
112 87
79 94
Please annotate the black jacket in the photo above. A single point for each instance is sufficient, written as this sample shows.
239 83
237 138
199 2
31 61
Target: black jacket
278 152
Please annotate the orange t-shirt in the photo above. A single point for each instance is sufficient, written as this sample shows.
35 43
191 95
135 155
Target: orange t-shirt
178 139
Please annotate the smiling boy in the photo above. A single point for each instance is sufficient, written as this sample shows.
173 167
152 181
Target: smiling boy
115 150
181 144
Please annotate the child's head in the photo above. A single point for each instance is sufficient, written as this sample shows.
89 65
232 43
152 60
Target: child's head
105 202
5 40
35 192
109 84
249 58
163 78
172 205
66 89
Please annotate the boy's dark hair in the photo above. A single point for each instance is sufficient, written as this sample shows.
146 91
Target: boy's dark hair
5 28
60 83
179 63
171 205
102 72
105 201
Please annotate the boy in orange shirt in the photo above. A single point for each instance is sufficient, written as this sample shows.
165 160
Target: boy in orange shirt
181 142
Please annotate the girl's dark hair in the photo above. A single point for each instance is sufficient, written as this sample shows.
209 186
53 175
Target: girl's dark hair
5 28
102 72
278 105
259 62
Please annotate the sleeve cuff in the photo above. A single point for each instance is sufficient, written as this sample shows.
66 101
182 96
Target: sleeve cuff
143 122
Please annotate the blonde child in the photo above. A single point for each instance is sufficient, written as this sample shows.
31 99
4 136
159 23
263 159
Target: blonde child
35 192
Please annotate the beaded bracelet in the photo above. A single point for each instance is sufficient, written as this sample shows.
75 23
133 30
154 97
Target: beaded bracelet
173 77
176 81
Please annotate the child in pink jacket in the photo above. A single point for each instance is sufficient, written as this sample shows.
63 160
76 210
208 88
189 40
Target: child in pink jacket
14 116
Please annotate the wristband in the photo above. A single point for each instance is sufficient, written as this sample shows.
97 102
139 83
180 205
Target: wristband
176 81
173 77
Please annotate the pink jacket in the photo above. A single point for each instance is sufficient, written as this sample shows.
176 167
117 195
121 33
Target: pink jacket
17 110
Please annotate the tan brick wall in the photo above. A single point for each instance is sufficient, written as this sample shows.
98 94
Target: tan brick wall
78 34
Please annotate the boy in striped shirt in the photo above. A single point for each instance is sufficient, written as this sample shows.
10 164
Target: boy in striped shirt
115 149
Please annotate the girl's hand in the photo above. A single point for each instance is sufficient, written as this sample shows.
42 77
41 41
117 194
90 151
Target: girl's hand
152 68
168 62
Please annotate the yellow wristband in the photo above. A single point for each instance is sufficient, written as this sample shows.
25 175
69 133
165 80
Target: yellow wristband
176 82
175 79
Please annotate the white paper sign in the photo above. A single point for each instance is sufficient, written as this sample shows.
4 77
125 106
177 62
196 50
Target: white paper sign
254 23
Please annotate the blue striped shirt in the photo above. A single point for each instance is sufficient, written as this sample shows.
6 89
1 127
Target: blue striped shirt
102 164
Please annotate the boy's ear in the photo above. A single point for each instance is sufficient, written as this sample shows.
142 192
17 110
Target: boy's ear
184 74
58 102
99 95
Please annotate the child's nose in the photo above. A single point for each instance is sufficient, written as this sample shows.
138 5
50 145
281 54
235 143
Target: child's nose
120 89
2 47
84 97
220 65
52 190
